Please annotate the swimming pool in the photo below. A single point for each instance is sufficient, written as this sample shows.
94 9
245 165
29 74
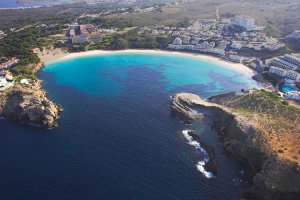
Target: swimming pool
288 88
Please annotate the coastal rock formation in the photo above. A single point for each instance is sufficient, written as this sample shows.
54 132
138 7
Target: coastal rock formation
252 130
29 105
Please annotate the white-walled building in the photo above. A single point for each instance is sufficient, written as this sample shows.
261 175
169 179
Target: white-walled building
292 59
285 73
186 40
3 82
24 81
279 62
293 75
177 41
278 71
292 95
245 21
294 35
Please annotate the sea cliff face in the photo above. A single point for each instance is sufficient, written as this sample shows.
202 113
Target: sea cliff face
29 105
274 174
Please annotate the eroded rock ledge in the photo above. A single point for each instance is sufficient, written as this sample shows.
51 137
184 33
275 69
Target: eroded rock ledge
29 105
274 175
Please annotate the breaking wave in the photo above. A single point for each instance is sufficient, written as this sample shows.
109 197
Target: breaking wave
201 164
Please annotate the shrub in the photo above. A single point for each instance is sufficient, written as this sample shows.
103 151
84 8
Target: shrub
286 103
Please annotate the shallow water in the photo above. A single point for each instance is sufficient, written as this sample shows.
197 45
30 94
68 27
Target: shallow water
117 138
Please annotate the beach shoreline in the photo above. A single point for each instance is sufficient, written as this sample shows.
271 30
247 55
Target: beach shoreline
63 55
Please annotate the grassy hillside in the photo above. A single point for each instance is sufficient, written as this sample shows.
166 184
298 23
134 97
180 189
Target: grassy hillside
279 121
279 16
282 16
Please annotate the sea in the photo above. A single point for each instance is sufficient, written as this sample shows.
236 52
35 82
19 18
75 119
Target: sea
19 4
117 138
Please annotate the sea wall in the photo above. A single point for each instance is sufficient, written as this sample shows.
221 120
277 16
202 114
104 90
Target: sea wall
271 177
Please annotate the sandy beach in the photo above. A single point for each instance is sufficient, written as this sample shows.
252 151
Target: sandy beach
50 55
58 54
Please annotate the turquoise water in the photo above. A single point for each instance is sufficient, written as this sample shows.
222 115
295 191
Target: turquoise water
104 75
117 138
288 88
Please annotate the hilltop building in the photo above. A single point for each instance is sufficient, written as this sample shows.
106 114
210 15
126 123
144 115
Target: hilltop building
244 21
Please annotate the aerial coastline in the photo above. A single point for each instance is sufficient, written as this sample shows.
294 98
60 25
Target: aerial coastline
233 73
57 55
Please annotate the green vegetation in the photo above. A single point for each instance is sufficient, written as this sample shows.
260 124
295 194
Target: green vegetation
266 102
184 24
270 30
286 103
20 43
264 53
269 78
107 22
104 43
23 72
293 45
134 39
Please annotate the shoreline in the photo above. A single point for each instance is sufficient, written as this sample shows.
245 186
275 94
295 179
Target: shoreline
58 55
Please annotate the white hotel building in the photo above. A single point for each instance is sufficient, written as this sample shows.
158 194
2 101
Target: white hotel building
285 73
245 21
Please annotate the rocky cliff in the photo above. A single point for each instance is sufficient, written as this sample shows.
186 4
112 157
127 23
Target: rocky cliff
29 105
260 131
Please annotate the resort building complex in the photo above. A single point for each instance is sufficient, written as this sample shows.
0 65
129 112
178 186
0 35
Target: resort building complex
79 34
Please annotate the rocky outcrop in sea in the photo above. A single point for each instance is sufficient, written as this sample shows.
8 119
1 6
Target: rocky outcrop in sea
29 105
274 175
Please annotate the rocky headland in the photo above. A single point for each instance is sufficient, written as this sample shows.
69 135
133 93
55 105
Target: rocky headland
29 104
258 129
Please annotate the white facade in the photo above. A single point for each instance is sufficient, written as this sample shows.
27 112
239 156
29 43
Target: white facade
292 75
226 21
245 21
292 59
186 40
24 81
284 73
278 71
177 41
292 95
279 62
3 82
294 35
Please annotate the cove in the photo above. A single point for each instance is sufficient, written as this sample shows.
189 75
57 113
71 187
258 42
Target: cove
117 138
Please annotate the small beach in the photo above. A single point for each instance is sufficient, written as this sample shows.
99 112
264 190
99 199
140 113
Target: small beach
59 54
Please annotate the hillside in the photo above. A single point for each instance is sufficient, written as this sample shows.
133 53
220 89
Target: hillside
280 123
280 16
258 129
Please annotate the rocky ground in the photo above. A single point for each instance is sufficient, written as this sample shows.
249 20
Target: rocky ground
258 129
28 104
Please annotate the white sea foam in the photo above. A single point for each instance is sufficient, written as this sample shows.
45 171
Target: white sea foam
200 165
